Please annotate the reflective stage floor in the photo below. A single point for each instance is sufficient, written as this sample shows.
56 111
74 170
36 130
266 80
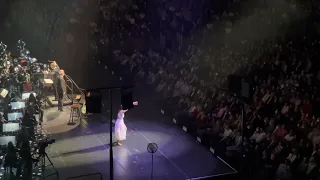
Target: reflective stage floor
84 148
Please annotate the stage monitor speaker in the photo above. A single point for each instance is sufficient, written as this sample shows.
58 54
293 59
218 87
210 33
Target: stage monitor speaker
242 88
234 84
127 98
247 91
93 102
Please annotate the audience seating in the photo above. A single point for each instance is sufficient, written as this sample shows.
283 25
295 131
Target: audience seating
279 130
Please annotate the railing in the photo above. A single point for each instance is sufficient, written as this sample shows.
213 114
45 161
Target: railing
69 85
86 175
73 87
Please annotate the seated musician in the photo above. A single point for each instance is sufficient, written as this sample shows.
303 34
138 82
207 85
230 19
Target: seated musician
21 137
35 106
6 110
12 82
25 81
3 81
2 119
14 97
21 80
28 122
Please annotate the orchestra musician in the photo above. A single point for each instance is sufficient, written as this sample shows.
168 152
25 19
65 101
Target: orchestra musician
61 89
13 81
34 106
27 83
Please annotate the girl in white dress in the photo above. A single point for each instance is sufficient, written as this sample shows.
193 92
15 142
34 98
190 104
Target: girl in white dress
120 129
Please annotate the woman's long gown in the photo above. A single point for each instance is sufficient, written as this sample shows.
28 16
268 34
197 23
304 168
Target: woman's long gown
120 128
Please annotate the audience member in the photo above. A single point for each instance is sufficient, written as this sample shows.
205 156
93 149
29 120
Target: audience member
189 57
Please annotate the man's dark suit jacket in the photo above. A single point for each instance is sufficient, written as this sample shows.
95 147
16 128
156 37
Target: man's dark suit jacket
55 74
60 84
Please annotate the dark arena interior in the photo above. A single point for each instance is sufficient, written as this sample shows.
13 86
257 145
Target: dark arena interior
159 89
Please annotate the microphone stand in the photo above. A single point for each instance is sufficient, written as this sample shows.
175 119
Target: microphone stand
110 88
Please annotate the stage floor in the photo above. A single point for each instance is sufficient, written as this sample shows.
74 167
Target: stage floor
84 148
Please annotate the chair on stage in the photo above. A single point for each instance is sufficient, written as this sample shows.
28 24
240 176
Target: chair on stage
75 113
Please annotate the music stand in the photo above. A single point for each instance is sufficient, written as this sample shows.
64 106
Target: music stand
26 95
17 105
10 127
14 116
4 140
152 148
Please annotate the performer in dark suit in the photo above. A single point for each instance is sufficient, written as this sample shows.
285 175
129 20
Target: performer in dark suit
55 77
61 89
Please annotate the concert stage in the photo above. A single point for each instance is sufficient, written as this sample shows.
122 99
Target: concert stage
53 103
84 148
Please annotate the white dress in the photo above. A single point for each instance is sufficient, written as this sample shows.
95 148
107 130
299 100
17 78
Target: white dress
120 129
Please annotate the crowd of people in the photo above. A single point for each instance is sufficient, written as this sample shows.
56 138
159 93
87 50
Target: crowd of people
22 98
187 55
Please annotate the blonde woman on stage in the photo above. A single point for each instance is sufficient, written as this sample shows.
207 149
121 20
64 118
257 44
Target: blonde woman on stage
120 128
